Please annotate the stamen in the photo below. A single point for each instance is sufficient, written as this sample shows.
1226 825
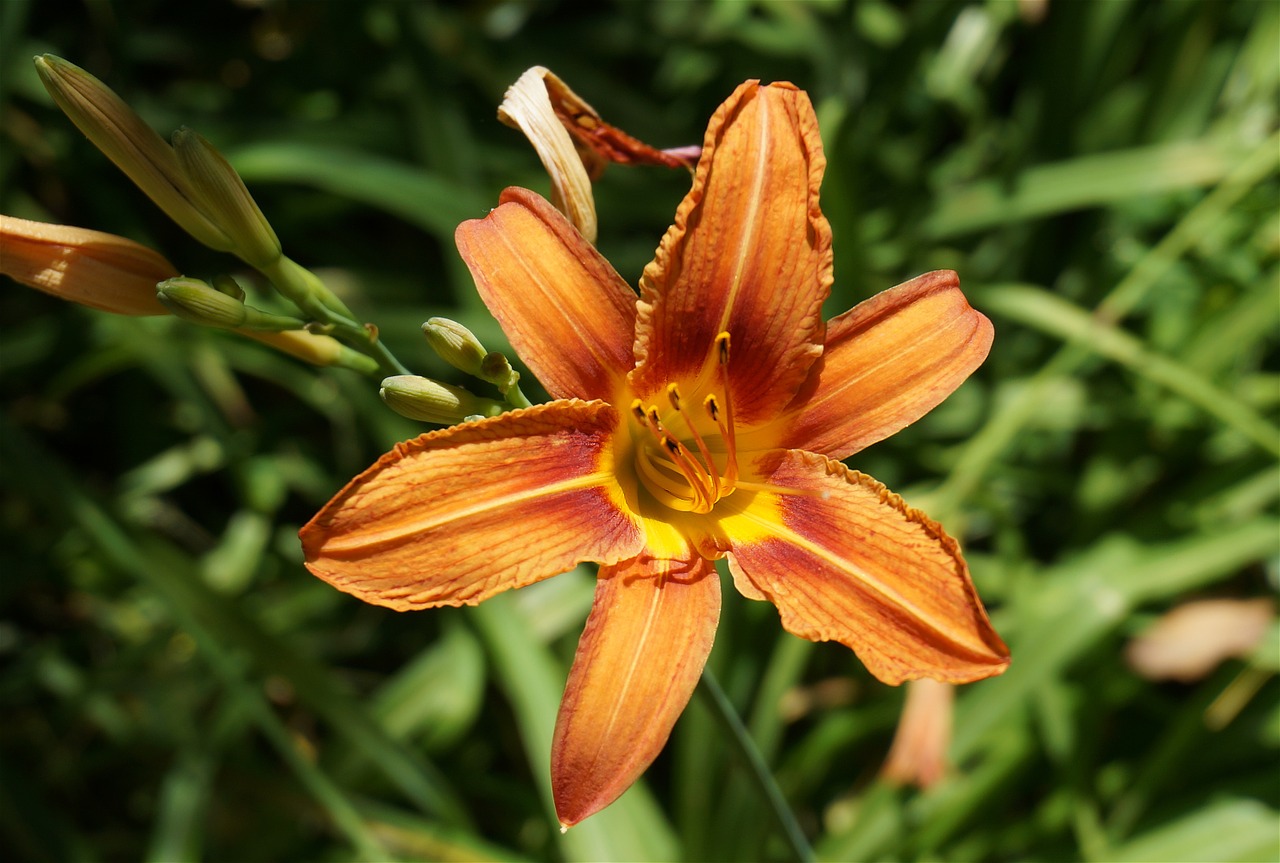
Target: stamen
709 465
668 490
677 465
692 471
722 348
713 407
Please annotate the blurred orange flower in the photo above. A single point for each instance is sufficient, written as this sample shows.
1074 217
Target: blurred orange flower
918 755
1188 642
702 421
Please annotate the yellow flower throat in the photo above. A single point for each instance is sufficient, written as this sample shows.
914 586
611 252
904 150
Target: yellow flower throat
674 460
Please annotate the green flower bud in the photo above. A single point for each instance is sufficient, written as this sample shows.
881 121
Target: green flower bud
456 345
225 197
194 301
225 284
431 401
125 139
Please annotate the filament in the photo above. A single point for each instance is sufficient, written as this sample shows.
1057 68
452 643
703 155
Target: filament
678 468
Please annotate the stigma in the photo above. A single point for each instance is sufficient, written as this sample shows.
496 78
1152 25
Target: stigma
688 459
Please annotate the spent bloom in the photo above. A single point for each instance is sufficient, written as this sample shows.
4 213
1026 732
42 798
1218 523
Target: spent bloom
702 420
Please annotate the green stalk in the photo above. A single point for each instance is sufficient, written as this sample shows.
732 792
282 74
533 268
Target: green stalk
305 290
731 723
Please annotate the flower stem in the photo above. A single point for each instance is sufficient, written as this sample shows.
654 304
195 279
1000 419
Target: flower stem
714 697
516 397
305 290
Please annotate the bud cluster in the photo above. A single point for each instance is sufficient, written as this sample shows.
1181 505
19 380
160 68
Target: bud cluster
198 188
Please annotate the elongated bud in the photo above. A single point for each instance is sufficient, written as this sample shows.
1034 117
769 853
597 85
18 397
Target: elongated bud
316 349
431 401
223 195
91 268
456 345
194 301
125 139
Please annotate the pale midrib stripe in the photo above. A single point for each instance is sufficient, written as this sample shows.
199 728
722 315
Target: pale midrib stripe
604 362
872 370
366 540
637 655
753 216
890 595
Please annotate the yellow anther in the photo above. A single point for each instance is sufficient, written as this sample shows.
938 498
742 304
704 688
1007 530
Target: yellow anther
678 466
722 348
725 420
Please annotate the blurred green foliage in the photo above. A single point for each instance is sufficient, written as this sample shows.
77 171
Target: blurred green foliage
174 685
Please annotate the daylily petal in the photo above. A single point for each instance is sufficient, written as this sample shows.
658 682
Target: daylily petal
742 582
458 515
91 268
568 314
848 561
749 253
888 361
574 143
638 661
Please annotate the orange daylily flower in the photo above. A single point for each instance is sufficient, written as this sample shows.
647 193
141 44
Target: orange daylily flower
702 421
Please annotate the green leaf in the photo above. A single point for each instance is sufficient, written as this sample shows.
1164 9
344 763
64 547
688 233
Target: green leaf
1226 831
1058 317
427 200
1085 181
